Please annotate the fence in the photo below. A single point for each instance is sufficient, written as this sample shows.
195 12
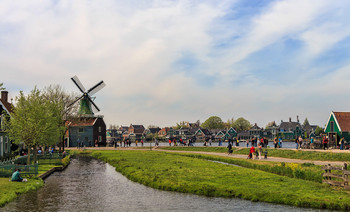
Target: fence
339 178
9 166
44 159
26 170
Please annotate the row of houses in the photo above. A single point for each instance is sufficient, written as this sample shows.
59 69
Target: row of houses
287 130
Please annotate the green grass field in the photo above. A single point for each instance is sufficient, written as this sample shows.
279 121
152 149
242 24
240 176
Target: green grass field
174 172
11 190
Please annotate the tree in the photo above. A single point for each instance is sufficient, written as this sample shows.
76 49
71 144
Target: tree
242 124
230 123
306 122
61 100
319 130
271 124
182 124
213 122
1 86
33 122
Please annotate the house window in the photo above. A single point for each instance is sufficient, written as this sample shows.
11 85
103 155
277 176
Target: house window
81 129
99 129
6 144
99 138
332 126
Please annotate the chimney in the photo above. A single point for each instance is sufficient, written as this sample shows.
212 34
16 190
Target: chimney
290 119
298 119
4 95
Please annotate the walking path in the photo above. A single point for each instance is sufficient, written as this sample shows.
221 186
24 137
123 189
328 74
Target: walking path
274 159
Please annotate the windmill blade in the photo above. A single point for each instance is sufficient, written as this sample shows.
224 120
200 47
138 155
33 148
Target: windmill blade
93 103
78 84
96 88
75 101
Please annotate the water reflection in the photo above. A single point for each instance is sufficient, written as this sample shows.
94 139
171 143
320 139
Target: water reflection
91 185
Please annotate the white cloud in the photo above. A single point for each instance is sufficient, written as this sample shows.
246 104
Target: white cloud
133 46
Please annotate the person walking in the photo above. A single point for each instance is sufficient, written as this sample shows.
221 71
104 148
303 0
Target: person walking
251 152
300 141
229 147
275 142
260 150
325 142
342 142
312 143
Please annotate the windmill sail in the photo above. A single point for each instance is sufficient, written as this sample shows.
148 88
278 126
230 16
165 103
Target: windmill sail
85 100
96 88
78 84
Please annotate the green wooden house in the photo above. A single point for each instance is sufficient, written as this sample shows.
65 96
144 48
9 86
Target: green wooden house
232 132
338 126
5 143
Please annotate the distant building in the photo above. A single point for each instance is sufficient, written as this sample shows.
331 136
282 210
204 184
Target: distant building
135 132
256 131
202 134
87 131
290 130
338 126
150 132
163 132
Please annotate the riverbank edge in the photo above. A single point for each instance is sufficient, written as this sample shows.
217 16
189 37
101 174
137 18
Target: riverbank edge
302 204
36 186
54 169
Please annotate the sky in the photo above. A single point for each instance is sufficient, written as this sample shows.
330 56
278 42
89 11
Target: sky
164 62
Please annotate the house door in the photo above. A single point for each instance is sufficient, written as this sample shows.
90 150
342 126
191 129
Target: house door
332 139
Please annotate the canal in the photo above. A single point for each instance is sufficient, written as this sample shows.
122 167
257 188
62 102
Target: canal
88 184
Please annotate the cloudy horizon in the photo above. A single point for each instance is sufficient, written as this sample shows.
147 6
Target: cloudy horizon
164 62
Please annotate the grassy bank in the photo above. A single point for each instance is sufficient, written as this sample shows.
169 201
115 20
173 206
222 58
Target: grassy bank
10 190
174 172
305 171
283 153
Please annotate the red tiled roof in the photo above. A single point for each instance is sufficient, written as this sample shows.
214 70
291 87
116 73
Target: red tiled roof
343 119
82 122
7 105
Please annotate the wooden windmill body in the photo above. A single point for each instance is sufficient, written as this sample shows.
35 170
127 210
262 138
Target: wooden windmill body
87 129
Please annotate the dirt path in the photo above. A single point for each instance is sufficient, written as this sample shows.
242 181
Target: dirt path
274 159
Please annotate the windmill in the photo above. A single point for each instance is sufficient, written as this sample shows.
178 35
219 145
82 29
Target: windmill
87 129
86 99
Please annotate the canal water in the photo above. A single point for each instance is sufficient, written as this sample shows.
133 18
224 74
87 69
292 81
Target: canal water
88 184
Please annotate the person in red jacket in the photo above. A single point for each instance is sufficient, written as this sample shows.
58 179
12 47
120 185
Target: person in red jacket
251 152
325 143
